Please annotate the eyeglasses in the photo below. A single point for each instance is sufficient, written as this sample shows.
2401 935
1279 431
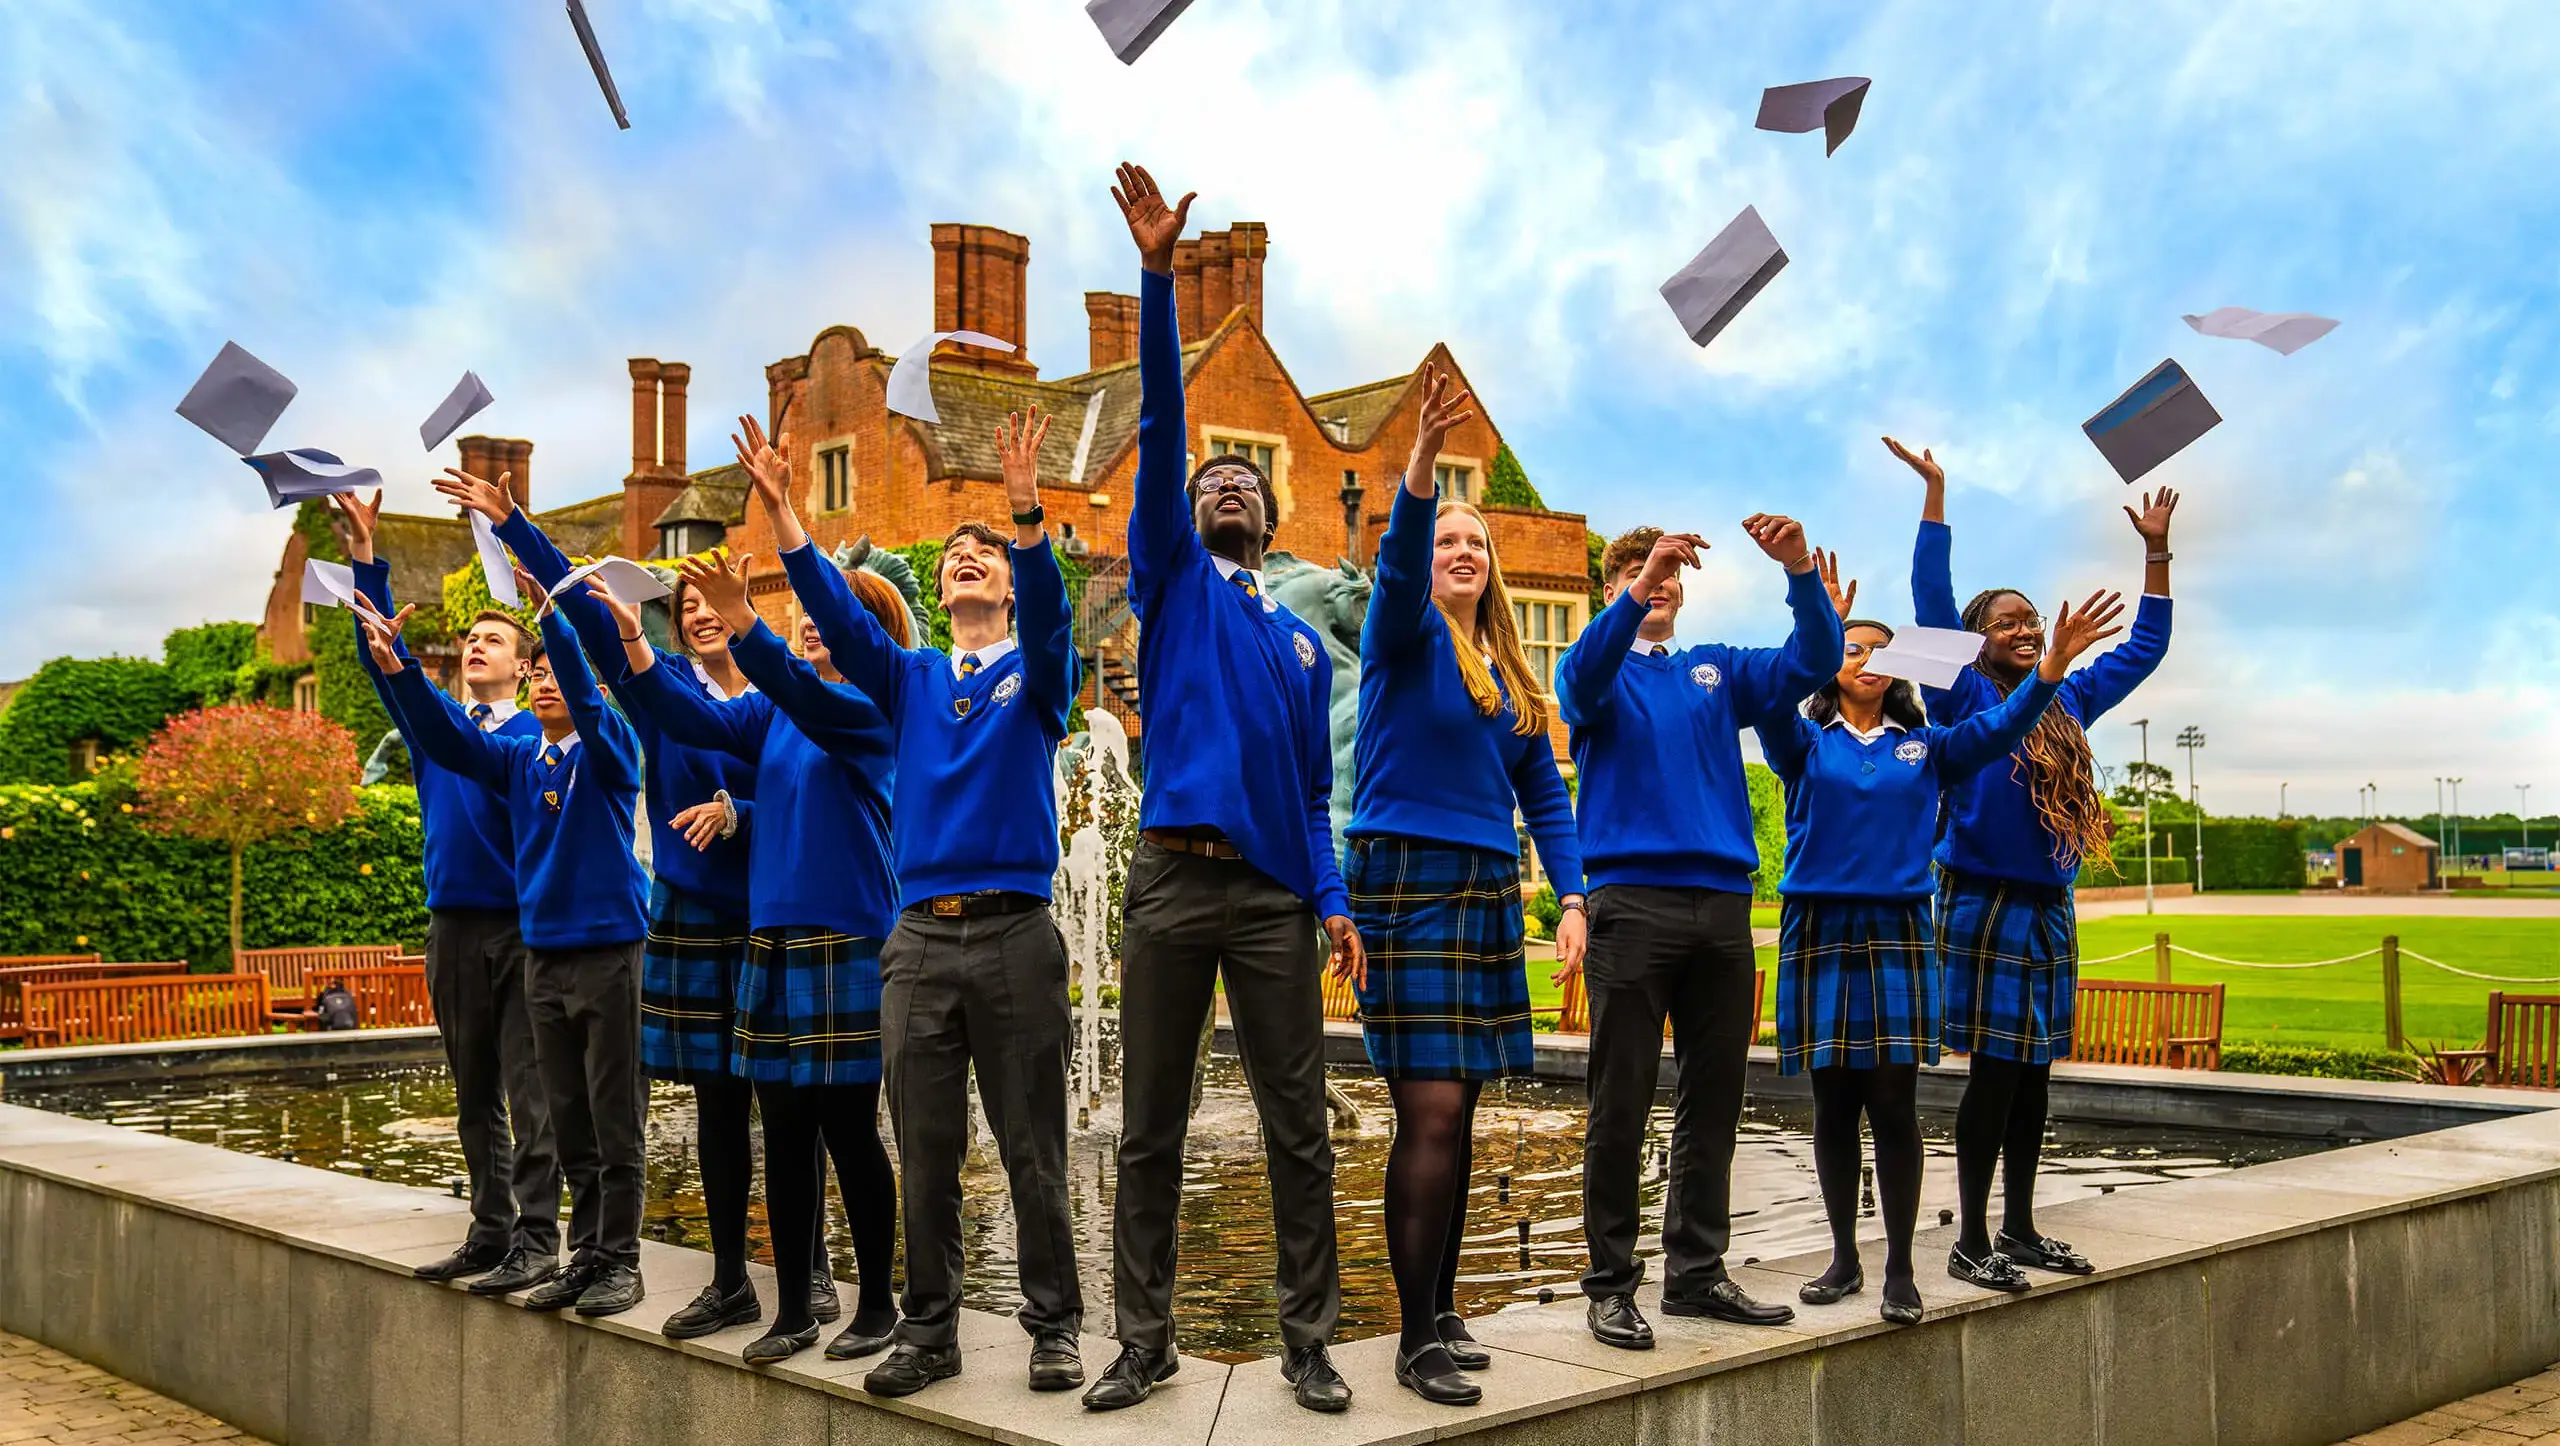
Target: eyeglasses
2011 627
538 675
1218 484
1857 650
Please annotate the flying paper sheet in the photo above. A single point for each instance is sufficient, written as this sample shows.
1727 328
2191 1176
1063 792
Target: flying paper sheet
2152 422
301 473
1710 291
2283 332
464 402
1130 26
333 585
595 62
237 399
495 569
1828 106
628 581
1930 657
911 380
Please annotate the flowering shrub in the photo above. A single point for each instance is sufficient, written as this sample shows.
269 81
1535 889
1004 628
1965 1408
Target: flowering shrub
243 774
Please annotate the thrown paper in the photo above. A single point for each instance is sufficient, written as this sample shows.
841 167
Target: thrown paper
1828 106
628 581
237 399
1130 26
1711 290
495 568
595 62
301 473
464 402
1930 657
2152 422
911 380
2282 332
333 585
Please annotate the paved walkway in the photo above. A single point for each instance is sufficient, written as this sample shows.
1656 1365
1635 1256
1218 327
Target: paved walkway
2528 1411
50 1399
2338 906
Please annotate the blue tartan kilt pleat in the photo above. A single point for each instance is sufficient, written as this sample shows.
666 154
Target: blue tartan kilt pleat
688 986
1857 984
809 1008
2010 955
1447 995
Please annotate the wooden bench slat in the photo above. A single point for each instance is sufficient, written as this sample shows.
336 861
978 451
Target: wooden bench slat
146 1009
2130 1021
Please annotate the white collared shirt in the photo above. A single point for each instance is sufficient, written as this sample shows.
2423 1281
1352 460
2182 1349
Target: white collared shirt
1867 735
500 710
567 741
711 685
1228 568
987 656
1644 649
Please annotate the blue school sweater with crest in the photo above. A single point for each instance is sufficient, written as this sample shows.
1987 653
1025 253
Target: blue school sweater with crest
1428 763
1235 692
677 776
470 846
974 754
1862 815
825 767
1991 826
1656 741
570 806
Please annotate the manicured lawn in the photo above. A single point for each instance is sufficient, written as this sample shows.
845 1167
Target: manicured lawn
2342 1004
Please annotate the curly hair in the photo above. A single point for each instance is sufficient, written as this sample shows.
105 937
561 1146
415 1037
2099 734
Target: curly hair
2059 771
1633 545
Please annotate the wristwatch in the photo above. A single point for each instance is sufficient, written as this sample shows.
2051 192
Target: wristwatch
1033 518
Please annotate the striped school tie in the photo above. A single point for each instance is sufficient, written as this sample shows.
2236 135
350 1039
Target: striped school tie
551 756
1244 580
480 716
969 665
1660 651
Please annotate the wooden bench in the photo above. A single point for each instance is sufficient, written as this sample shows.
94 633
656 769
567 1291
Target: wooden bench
147 1009
16 974
1574 1015
2522 1046
43 961
2128 1021
288 971
392 997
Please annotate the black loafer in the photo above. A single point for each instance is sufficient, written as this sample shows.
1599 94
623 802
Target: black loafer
1897 1313
1992 1272
712 1311
1056 1364
1461 1346
824 1304
862 1338
911 1367
470 1259
1432 1375
1726 1301
521 1270
562 1290
766 1349
2043 1253
1615 1321
617 1288
1130 1378
1815 1292
1313 1380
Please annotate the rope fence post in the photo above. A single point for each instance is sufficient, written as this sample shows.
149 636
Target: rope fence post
2160 957
2391 1031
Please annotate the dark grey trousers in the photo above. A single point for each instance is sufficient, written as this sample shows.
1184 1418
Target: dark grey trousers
1687 953
988 992
475 979
586 1034
1186 921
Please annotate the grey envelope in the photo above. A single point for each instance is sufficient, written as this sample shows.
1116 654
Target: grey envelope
1130 26
237 399
300 473
460 405
595 62
2152 422
1710 291
2282 332
1828 106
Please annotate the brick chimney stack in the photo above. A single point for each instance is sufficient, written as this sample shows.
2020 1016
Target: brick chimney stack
1218 274
673 378
978 285
657 450
1111 325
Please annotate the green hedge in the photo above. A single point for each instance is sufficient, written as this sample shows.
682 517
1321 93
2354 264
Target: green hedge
78 872
2129 872
2253 853
204 661
1768 830
2295 1059
118 701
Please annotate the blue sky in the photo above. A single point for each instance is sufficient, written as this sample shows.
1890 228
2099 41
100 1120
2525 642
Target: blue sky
374 195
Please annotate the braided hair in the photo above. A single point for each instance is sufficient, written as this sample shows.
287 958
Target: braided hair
2060 772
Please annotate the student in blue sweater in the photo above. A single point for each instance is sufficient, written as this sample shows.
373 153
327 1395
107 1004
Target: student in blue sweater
2009 848
1668 849
475 952
1857 971
974 976
1236 866
1453 737
569 796
820 901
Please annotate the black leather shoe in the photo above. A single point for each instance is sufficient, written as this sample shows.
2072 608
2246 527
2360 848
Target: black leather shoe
616 1289
1461 1346
1130 1378
1725 1301
1815 1292
862 1338
1432 1375
764 1350
712 1311
469 1260
824 1304
1615 1321
1318 1386
1056 1364
521 1270
2043 1253
910 1368
1897 1313
562 1290
1994 1271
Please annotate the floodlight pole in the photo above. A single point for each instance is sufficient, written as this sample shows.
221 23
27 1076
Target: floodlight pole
2191 738
2524 815
2280 791
2457 816
2441 883
2150 901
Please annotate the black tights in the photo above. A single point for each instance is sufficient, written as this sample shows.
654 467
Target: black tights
847 1118
1427 1172
721 1109
1888 1096
2001 1122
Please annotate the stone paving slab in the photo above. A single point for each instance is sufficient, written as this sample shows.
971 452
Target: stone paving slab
2524 1414
50 1399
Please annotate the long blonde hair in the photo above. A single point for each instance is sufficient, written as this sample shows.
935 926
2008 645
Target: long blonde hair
1501 633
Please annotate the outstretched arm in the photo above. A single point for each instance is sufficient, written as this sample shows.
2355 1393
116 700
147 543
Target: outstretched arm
1160 528
1933 590
1040 616
1587 676
1775 678
844 723
433 727
1403 598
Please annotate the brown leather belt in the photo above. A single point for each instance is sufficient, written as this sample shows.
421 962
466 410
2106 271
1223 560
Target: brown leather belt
970 906
1183 843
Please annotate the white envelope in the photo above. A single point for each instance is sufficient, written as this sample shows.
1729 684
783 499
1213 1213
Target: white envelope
301 473
1930 657
494 566
2282 332
911 380
464 402
628 581
333 585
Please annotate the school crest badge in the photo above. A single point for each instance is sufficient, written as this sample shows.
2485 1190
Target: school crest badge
1006 687
1306 650
1911 750
1706 675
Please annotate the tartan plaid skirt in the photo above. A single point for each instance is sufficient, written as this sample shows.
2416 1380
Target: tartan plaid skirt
809 1008
2010 954
688 986
1447 996
1857 984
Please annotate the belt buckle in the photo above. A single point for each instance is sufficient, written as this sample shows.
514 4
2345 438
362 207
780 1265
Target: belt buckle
947 907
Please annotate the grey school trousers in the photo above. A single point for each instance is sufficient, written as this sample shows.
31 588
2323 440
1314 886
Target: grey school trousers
475 979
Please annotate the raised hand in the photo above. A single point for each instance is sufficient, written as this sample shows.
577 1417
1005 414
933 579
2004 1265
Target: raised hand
1782 538
1828 564
1154 225
478 494
1671 552
1350 960
723 584
2153 520
626 616
1926 464
1445 404
2074 633
703 824
354 520
537 598
768 466
381 635
1018 439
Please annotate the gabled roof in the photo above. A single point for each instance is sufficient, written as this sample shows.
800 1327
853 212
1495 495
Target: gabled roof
1361 410
2403 833
717 496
